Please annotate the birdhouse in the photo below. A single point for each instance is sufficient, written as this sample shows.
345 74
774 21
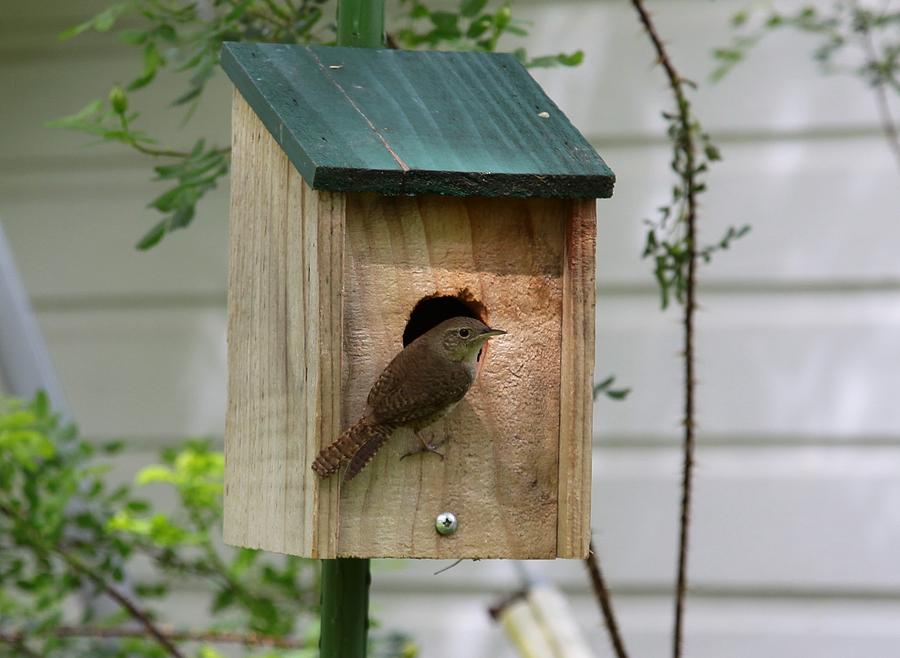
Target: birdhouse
375 194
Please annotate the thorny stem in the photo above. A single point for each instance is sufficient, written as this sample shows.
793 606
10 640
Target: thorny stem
111 591
603 598
688 147
215 637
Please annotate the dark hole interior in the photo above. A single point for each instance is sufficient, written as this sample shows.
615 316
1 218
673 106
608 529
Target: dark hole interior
431 311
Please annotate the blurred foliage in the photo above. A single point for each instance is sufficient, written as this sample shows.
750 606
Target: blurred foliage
185 37
472 27
842 29
605 387
851 37
67 537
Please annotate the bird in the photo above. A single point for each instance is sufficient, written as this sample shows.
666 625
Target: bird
420 385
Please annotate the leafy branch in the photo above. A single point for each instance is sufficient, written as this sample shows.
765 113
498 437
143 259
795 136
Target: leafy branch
186 37
63 530
852 39
471 28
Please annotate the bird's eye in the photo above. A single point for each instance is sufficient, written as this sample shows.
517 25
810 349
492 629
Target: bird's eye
464 333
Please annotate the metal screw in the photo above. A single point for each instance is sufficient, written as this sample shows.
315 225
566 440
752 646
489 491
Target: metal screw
446 523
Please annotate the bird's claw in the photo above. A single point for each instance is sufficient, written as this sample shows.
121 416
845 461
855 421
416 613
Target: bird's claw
426 447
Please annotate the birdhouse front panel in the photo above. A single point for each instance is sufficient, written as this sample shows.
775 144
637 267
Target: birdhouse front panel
499 474
327 286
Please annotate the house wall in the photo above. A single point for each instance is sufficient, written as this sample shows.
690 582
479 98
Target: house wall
796 528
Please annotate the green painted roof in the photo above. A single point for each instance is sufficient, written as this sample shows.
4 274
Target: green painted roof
403 122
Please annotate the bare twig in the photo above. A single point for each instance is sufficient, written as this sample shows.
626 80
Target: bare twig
605 601
214 637
689 149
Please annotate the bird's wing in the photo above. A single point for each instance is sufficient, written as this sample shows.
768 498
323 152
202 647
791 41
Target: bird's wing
417 385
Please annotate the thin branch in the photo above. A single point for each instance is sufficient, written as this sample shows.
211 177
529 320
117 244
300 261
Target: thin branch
688 147
888 126
150 150
18 641
140 616
161 153
603 598
215 637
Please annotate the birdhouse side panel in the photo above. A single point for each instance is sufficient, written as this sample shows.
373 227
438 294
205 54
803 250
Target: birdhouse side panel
499 475
576 386
283 348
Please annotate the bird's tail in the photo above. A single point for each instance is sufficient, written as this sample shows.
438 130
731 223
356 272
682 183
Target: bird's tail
358 444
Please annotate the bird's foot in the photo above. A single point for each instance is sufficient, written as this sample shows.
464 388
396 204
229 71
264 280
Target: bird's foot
425 447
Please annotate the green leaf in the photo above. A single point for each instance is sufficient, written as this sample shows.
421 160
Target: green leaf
102 22
712 153
480 26
89 111
113 447
151 474
605 387
444 20
573 59
133 37
740 18
470 8
419 11
152 61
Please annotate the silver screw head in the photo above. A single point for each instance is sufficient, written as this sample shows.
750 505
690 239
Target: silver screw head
446 523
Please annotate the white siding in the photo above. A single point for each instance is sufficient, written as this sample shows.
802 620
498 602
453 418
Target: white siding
797 528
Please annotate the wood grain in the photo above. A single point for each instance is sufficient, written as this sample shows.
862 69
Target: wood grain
576 402
284 348
501 442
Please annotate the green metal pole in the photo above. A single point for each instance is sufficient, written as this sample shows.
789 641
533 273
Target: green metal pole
345 608
345 581
360 23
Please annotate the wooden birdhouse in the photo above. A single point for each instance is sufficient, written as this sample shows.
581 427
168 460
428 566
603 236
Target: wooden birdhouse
375 193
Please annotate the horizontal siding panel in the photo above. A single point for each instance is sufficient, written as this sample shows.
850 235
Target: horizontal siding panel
801 199
453 626
73 235
141 373
767 365
447 625
792 523
821 212
799 523
770 365
618 91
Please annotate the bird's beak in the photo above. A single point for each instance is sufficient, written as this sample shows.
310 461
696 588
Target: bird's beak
490 333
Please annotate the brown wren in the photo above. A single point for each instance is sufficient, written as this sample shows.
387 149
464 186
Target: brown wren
420 385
